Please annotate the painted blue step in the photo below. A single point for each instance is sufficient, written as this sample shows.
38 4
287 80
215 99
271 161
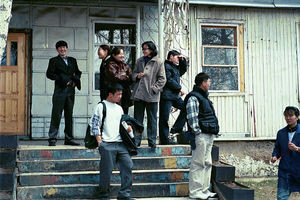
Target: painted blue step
92 177
169 162
87 191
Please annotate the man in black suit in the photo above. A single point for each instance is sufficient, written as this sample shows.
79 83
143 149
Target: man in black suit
64 71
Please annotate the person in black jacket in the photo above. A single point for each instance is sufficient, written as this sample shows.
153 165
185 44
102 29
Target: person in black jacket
203 123
175 67
64 71
104 54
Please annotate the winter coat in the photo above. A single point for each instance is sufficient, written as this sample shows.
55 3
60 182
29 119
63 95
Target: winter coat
148 87
290 160
121 74
173 73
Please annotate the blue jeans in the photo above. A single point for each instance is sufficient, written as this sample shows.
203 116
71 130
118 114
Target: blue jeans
283 188
164 113
151 109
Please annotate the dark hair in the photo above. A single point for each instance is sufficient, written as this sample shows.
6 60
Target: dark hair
113 87
106 48
152 47
200 78
173 53
61 43
116 50
291 110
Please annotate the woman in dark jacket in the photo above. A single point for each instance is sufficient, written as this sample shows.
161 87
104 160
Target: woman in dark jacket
104 55
120 72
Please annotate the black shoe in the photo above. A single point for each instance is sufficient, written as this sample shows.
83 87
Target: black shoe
71 142
52 144
153 146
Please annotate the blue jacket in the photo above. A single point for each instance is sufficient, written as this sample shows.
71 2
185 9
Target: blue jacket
173 73
290 160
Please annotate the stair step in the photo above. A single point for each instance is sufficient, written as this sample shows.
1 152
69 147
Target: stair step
233 191
42 152
168 162
7 178
30 152
5 195
83 191
92 177
222 172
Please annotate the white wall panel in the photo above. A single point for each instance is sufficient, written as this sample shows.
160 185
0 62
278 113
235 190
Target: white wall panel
271 80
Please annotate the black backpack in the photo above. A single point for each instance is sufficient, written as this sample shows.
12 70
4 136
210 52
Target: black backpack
90 141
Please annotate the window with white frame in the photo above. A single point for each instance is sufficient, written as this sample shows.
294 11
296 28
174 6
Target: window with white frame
220 57
113 34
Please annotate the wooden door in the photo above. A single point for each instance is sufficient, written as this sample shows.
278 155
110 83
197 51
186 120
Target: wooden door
13 86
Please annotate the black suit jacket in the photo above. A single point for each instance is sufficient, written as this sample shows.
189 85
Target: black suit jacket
62 74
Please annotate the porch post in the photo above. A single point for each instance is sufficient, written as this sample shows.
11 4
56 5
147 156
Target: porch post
160 30
138 31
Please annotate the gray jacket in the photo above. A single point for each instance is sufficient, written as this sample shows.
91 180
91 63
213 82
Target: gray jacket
148 88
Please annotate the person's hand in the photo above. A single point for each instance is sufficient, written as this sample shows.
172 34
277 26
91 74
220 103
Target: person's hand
292 146
273 159
129 129
182 93
140 75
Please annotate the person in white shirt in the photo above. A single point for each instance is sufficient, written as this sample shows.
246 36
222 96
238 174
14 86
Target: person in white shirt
111 148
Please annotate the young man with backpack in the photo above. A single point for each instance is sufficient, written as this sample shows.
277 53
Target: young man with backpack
111 147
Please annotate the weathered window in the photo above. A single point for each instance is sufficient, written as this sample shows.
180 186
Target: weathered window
220 57
111 34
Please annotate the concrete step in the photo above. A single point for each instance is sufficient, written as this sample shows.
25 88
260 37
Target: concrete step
42 152
87 191
92 164
5 195
92 177
7 177
233 191
222 172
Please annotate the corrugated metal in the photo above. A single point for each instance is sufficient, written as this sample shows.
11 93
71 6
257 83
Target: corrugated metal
251 3
271 78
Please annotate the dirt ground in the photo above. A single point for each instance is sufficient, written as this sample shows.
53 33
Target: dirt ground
265 189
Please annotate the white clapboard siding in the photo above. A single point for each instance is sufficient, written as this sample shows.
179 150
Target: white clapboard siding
270 65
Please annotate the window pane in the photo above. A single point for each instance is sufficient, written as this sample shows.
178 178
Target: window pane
115 33
222 78
14 54
102 37
4 57
219 56
218 36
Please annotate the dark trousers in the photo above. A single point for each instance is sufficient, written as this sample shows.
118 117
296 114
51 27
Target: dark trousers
151 109
164 113
62 101
111 153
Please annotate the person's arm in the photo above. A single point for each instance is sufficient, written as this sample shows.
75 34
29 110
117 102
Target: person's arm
161 79
96 122
276 150
182 66
192 110
50 73
135 74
